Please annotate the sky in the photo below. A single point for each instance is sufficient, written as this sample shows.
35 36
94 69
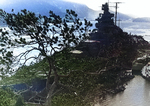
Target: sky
135 8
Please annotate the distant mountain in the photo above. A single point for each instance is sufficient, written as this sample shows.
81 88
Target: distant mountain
57 6
143 19
123 17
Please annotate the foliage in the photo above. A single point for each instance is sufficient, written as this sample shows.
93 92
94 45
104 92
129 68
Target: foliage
26 74
67 99
42 37
40 34
20 102
7 97
81 73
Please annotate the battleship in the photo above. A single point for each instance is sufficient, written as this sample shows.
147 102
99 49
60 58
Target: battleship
104 34
105 25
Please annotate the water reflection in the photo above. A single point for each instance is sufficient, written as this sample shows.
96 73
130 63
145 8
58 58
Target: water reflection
137 93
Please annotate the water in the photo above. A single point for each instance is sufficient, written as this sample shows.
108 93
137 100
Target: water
136 28
137 93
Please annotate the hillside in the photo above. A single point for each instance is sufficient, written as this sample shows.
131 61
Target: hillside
143 19
58 6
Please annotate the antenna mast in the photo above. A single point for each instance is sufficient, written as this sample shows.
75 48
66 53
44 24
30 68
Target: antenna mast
116 7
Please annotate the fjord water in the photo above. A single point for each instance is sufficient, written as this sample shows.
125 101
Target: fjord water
136 28
137 93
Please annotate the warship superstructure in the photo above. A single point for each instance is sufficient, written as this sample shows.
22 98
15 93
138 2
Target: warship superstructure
105 25
104 34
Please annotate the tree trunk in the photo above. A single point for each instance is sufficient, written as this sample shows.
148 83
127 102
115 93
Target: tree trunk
50 94
53 86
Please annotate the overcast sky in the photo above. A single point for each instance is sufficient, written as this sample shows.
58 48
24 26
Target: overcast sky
137 8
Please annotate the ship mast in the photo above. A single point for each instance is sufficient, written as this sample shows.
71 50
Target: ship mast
116 12
116 7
